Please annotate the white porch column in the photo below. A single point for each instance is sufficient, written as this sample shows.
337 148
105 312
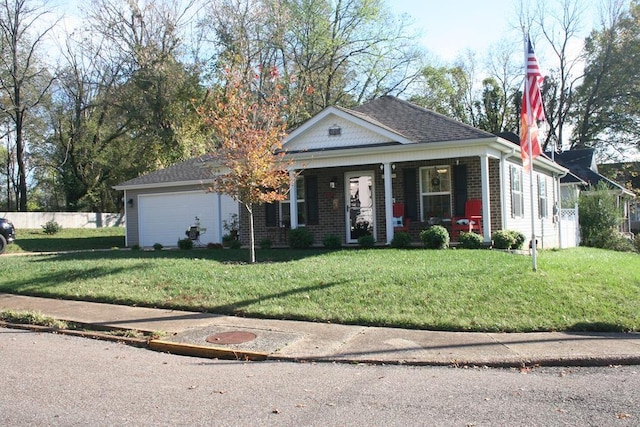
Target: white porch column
293 199
486 198
388 202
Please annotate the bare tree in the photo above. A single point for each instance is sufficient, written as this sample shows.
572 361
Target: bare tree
25 81
560 24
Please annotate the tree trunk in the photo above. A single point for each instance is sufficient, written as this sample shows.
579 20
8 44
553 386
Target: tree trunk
252 244
22 175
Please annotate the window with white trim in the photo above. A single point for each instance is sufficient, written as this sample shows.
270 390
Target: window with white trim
285 205
435 192
542 197
517 196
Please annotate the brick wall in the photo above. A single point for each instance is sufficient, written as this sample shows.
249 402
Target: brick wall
332 209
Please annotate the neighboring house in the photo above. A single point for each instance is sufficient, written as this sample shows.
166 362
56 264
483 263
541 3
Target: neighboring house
582 164
627 173
351 166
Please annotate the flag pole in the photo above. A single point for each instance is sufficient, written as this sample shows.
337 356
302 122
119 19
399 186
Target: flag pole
530 118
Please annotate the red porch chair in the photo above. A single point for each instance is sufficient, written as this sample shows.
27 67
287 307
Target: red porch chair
400 223
471 221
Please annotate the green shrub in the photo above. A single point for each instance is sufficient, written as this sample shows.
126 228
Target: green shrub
435 237
157 246
51 227
332 241
600 218
185 243
400 240
503 239
613 241
300 238
366 241
135 247
518 239
470 240
227 240
265 244
235 244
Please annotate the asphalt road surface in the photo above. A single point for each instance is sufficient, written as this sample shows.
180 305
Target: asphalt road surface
48 379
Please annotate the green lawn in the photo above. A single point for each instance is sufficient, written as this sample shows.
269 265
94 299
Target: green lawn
482 290
33 240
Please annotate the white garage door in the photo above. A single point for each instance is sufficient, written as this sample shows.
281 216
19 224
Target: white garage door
164 218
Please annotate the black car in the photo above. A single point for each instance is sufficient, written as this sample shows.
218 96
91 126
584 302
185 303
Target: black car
7 233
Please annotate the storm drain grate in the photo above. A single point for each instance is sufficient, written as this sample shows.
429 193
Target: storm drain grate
232 337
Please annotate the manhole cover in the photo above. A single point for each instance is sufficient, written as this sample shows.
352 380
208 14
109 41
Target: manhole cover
233 337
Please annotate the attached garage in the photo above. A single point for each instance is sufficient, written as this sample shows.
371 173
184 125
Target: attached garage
161 206
164 218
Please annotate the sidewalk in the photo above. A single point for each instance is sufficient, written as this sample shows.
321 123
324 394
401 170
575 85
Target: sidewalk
208 335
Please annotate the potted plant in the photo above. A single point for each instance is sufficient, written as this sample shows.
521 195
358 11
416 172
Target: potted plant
232 225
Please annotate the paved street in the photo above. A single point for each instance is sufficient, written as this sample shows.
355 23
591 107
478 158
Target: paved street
50 379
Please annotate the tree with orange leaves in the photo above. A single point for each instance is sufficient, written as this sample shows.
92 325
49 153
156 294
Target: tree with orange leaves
249 127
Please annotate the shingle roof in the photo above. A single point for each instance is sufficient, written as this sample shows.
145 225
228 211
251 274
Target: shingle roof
581 163
417 123
196 169
411 121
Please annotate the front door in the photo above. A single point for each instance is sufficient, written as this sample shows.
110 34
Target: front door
360 204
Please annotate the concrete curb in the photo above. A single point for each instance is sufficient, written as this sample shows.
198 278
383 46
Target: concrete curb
205 351
136 342
152 344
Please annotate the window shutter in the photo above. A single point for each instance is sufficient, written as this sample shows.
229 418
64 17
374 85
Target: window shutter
410 177
512 172
311 199
460 189
270 210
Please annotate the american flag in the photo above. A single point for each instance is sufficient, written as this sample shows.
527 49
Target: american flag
533 98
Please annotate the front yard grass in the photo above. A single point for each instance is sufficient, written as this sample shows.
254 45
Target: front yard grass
67 239
462 290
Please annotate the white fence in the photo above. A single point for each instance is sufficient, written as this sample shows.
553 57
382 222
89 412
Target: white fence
569 228
23 220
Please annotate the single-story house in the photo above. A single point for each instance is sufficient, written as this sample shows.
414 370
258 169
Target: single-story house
384 166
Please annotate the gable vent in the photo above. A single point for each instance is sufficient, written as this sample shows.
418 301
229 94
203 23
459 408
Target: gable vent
335 131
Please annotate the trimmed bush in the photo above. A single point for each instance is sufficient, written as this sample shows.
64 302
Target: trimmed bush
135 247
300 238
400 240
503 239
235 244
265 244
51 227
435 237
518 238
157 246
185 244
366 241
332 241
470 240
227 240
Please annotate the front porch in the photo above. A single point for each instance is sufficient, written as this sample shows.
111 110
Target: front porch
350 201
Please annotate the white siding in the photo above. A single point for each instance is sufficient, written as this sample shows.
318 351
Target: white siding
546 229
318 137
164 218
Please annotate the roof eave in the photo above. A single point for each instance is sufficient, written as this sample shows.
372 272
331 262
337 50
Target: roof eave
125 187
